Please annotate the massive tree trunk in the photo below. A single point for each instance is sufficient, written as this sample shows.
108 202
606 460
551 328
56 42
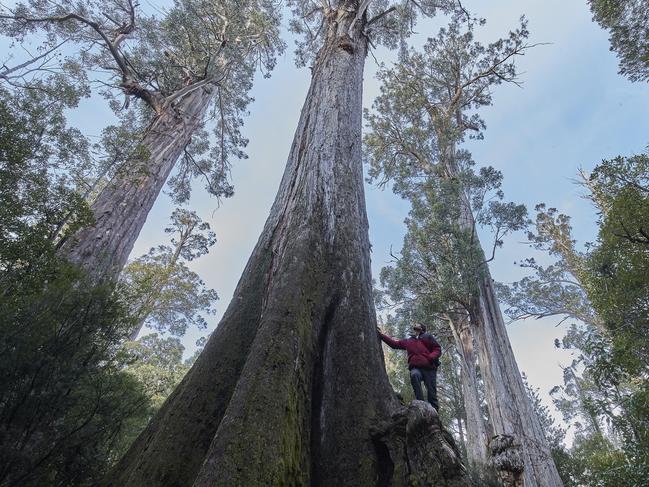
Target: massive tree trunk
476 430
291 388
122 206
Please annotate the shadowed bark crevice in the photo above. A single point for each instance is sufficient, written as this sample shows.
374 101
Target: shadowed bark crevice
318 386
386 465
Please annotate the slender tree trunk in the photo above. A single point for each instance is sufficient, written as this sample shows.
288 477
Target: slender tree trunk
510 410
291 388
122 206
460 432
476 431
524 449
145 310
156 289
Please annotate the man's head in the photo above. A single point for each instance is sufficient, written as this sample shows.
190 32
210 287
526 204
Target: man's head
419 328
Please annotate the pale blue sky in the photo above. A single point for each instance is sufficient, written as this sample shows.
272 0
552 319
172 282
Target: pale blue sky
572 111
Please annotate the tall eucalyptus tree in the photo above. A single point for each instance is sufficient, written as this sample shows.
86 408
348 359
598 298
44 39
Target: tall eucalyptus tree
162 292
199 56
291 387
427 107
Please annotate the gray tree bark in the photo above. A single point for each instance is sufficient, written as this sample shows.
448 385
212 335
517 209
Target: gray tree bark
510 411
122 206
476 430
291 388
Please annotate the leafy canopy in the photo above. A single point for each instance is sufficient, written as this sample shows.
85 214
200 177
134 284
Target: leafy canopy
627 22
164 294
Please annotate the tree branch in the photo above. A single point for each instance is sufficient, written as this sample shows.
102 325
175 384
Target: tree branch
8 71
130 83
73 16
359 14
379 16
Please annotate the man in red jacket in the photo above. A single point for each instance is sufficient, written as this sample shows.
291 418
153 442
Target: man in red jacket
423 360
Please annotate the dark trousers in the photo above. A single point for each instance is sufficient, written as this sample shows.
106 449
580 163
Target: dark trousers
429 377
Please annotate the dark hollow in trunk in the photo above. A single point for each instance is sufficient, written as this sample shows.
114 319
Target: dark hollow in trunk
291 388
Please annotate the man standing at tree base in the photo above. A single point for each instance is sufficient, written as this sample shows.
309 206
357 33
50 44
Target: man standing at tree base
423 360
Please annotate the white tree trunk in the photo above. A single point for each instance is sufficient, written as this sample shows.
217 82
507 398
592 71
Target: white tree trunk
122 207
510 410
476 430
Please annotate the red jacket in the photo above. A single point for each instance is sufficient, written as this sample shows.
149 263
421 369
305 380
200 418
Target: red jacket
423 352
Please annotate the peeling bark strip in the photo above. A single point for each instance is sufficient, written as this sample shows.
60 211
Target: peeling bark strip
122 207
292 380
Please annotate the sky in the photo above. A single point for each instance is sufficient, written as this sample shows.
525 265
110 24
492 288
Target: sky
572 111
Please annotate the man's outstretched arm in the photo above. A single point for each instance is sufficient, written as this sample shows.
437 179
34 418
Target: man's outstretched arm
391 342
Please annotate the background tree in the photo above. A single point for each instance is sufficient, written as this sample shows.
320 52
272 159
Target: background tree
199 56
297 348
74 393
164 294
66 406
626 22
620 259
616 281
157 363
427 107
558 289
602 288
